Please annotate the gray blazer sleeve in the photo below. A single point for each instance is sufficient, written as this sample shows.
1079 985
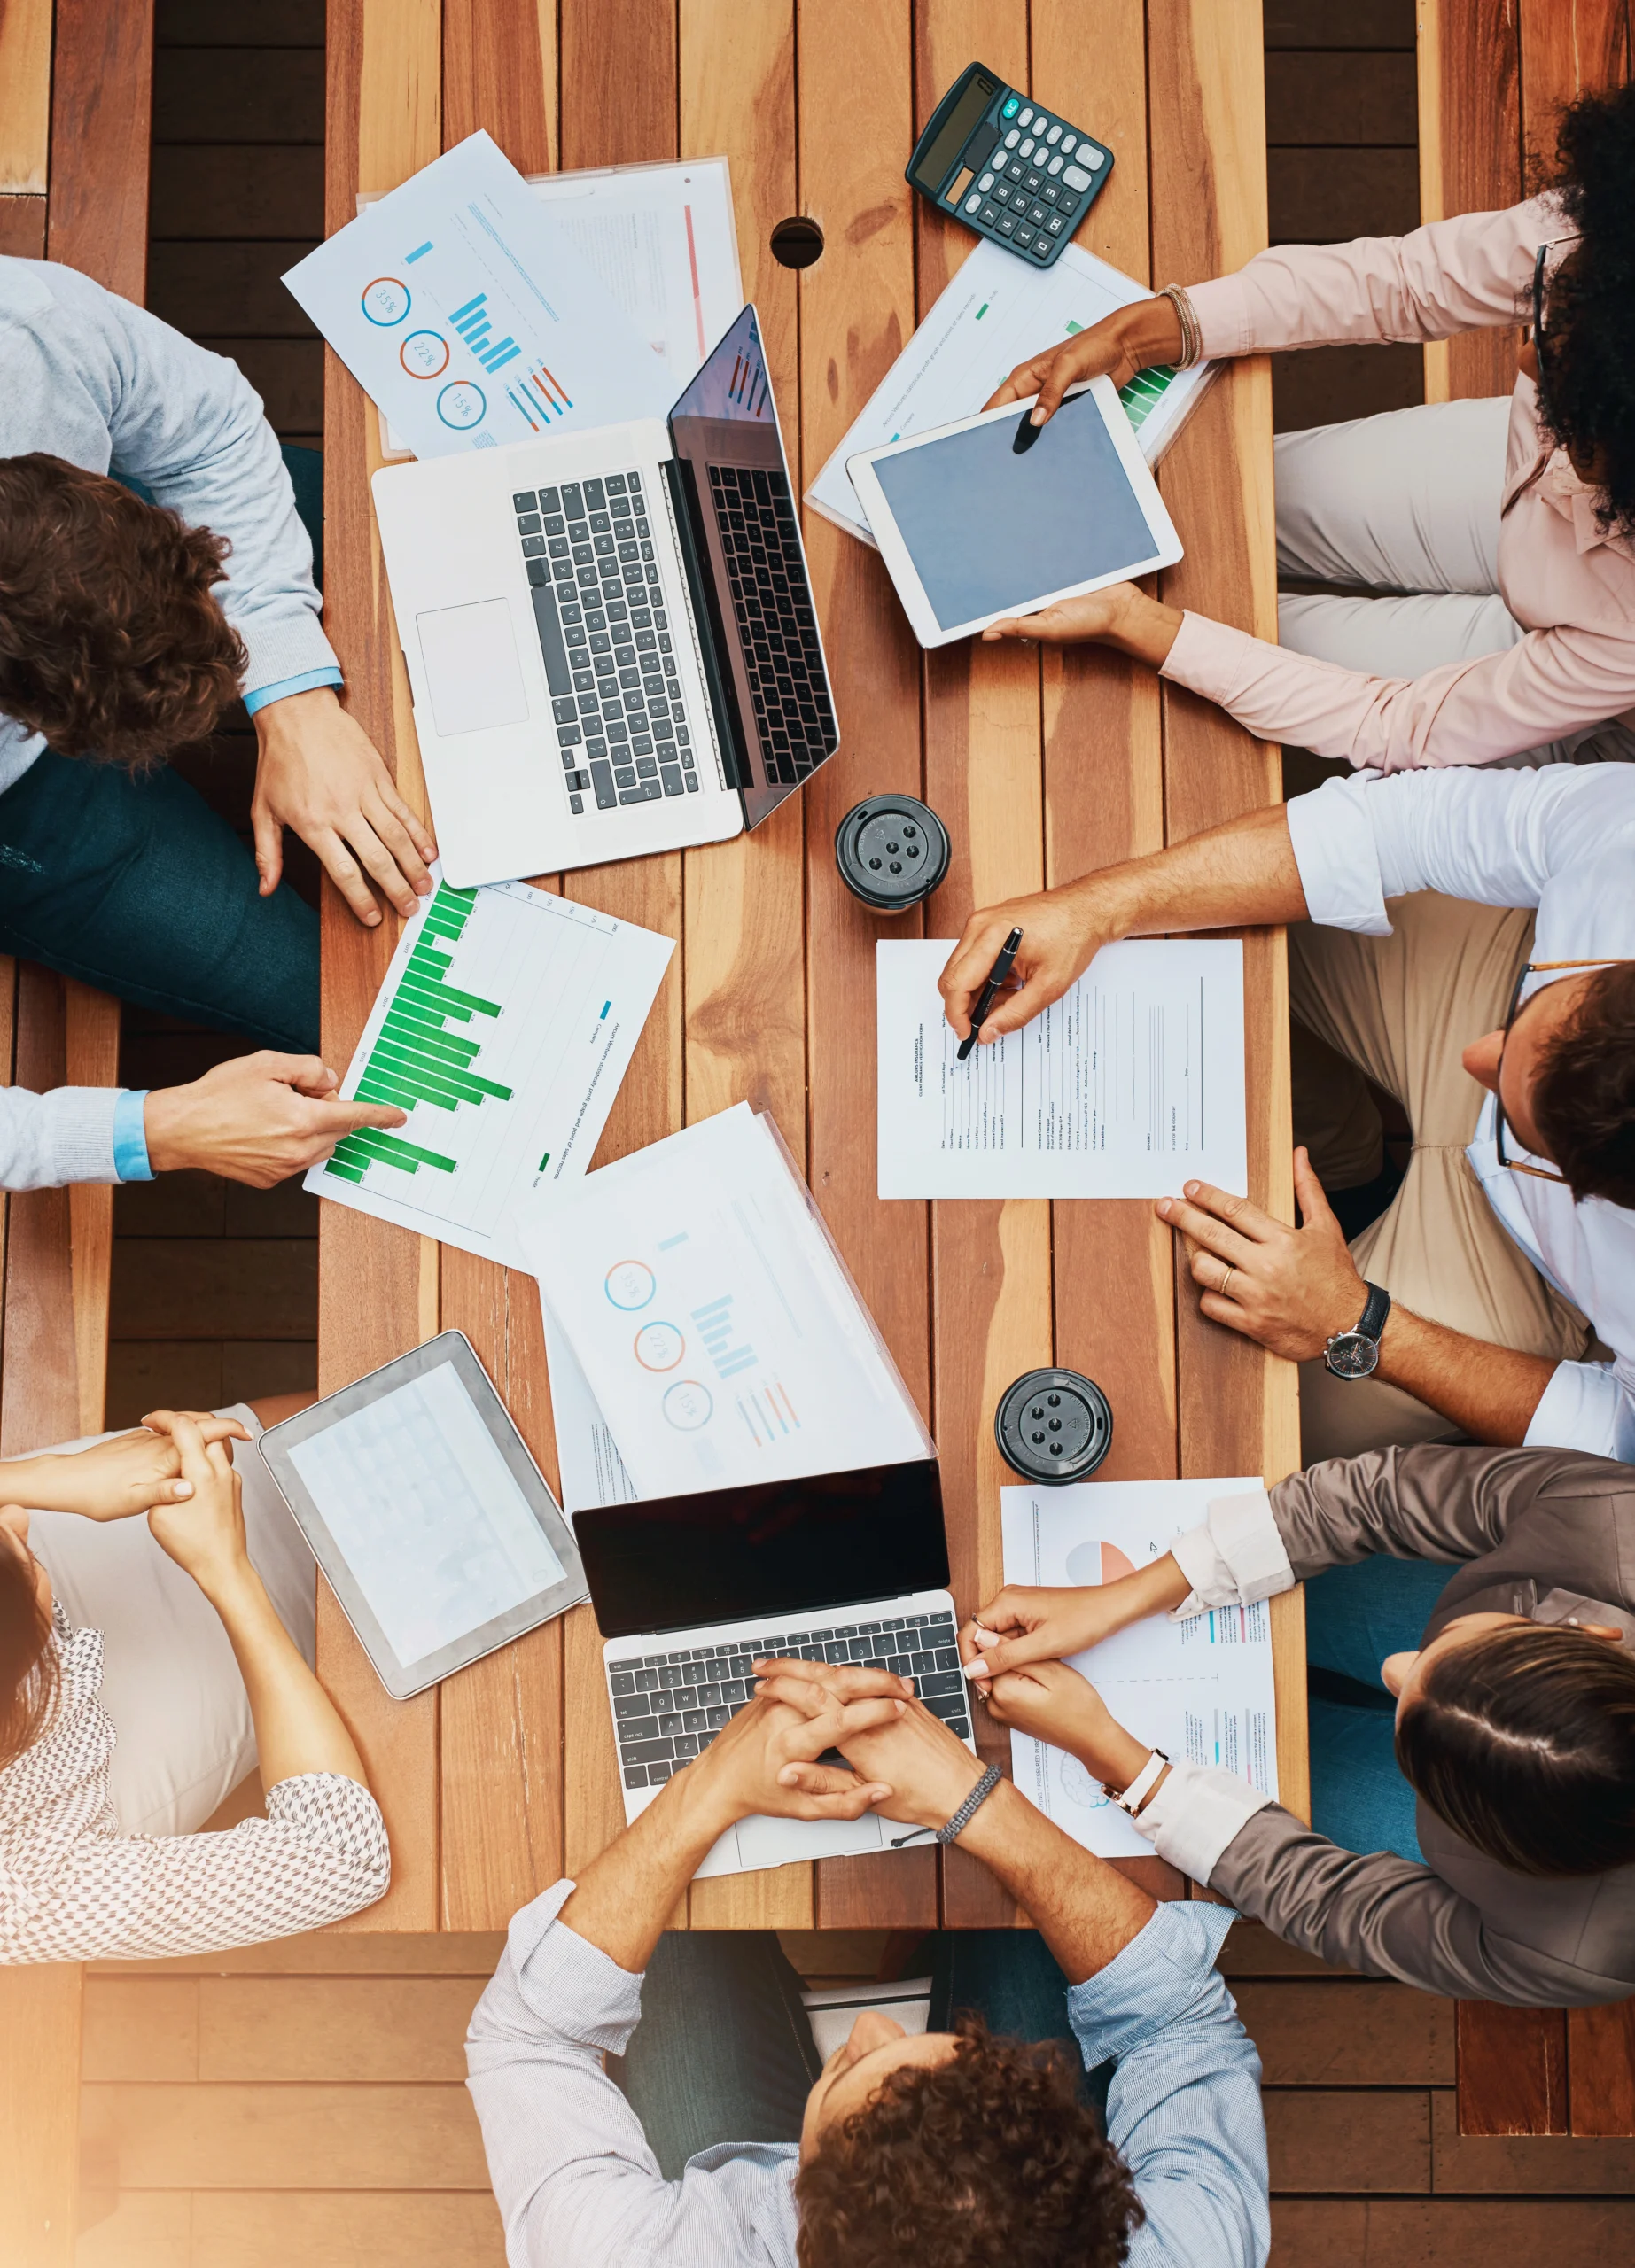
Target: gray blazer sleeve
67 1135
1387 1917
1426 1502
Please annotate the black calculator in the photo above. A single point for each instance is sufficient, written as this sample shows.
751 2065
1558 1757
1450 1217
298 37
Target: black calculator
1011 171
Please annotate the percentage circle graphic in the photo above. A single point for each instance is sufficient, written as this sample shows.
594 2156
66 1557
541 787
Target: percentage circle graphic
659 1346
462 405
629 1284
425 355
385 301
688 1405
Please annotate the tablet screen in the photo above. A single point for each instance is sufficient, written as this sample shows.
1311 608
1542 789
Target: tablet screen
426 1513
989 531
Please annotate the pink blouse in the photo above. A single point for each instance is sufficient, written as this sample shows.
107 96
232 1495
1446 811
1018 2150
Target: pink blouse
1572 588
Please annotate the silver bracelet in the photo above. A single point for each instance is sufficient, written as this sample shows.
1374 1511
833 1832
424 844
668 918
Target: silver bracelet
952 1830
1191 330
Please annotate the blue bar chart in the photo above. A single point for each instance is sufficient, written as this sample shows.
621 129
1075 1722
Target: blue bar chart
472 322
720 1333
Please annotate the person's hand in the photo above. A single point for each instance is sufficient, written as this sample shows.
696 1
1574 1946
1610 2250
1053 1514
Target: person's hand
319 773
205 1534
766 1760
256 1118
1289 1290
927 1770
1120 615
1063 930
129 1473
1055 1703
1027 1624
1136 339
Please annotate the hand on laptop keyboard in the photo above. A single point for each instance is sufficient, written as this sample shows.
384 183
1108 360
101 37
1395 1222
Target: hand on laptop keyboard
768 1763
929 1766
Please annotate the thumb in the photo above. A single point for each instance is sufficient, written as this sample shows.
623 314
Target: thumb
1058 377
1315 1211
1012 1653
269 834
338 1118
1012 1009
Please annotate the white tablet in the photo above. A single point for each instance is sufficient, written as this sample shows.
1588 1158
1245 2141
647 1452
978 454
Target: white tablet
433 1526
972 531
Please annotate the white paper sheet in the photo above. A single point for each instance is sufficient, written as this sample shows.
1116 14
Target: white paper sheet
468 316
505 1024
1202 1690
995 313
1129 1084
716 1328
591 1471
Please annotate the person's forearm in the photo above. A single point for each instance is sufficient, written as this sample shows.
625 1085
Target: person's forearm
1152 1589
1489 1392
298 1728
1241 875
623 1899
1085 1911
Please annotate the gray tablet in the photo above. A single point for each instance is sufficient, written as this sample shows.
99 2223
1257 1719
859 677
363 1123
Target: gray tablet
433 1525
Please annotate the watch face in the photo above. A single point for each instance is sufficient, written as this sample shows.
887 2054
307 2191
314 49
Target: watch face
1351 1355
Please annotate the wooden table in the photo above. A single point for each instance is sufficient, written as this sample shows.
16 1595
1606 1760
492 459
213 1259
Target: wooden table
504 1777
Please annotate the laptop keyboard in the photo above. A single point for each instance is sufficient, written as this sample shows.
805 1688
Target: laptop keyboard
624 730
668 1708
755 514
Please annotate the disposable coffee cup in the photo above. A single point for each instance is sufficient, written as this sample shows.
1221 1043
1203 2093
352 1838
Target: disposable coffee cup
1054 1427
891 850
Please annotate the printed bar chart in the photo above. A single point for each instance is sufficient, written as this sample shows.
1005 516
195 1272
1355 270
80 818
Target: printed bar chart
717 1329
472 322
416 1057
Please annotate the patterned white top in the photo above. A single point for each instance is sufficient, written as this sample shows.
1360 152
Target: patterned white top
72 1888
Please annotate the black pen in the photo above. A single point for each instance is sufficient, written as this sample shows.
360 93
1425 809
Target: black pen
997 974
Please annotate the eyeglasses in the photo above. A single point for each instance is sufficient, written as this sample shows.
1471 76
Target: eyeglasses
1533 968
1538 336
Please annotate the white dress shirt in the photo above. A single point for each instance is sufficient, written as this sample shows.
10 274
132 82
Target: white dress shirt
1561 839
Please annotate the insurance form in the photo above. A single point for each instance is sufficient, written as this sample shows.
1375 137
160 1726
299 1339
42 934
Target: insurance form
1202 1690
1130 1084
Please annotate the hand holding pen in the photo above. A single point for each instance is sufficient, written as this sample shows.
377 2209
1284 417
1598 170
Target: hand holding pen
996 978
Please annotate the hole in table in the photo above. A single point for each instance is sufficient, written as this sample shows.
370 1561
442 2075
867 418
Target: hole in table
796 242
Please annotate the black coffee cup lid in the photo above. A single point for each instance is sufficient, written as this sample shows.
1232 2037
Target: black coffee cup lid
1054 1427
891 850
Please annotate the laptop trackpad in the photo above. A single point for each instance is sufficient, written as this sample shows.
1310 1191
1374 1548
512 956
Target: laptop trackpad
471 667
773 1842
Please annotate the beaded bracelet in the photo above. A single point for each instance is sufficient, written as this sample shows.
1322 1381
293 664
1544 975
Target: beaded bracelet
1191 330
951 1832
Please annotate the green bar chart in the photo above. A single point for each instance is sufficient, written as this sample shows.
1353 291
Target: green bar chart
423 1052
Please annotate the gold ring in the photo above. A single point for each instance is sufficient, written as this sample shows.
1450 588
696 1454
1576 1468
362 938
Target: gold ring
1226 1278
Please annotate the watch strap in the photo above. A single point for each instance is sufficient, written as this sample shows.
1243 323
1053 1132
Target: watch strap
1136 1794
1373 1314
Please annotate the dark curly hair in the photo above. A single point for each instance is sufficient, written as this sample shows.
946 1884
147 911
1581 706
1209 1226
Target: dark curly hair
28 1664
1523 1741
987 2160
1584 1098
111 642
1588 351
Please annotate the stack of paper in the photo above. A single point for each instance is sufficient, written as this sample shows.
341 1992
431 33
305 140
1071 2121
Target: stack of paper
997 312
717 1337
1202 1690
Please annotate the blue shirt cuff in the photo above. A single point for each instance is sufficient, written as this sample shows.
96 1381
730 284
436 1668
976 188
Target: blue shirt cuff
265 694
130 1140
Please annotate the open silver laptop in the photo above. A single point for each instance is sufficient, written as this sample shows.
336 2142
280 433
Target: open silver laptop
690 1590
609 636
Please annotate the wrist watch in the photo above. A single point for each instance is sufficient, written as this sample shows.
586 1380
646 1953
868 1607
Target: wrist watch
1136 1794
1356 1354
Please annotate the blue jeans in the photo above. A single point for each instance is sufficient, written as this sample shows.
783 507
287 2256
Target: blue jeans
135 886
724 2051
1354 1618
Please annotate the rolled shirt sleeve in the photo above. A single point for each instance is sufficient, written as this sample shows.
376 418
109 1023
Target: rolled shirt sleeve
67 1135
307 682
1234 1557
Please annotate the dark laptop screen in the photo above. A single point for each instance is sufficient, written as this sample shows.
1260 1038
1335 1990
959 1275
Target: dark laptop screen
785 1548
746 524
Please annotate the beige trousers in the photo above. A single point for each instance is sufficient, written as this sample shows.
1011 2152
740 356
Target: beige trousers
1400 1010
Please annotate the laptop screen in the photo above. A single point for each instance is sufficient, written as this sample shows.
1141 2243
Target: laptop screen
746 525
782 1547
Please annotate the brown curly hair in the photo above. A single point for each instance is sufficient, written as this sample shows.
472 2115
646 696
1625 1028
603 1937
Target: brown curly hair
111 642
1584 1098
28 1664
987 2161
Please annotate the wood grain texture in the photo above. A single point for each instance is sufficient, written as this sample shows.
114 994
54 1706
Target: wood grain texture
1512 2070
499 73
260 2228
25 96
1601 2067
102 89
39 1386
1446 2232
1470 160
39 2113
91 1050
1525 2164
1311 2033
857 308
383 124
1569 48
22 228
285 2137
1354 2140
321 1953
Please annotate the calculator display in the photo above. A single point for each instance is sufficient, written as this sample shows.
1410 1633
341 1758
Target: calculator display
989 531
932 169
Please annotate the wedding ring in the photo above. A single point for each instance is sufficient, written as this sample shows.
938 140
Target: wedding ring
1226 1278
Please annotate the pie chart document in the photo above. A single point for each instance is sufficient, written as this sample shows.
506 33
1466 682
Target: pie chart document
1201 1689
717 1337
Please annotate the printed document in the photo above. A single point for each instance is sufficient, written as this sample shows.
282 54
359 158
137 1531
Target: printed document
1200 1689
468 317
720 1335
591 1471
1129 1084
506 1021
996 312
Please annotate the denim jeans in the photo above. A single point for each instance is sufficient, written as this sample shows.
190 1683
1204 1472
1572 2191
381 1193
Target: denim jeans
724 2051
135 886
1354 1618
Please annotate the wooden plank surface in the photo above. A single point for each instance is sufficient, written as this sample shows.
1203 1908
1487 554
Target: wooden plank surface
1512 2070
39 2113
1600 2070
25 96
1470 160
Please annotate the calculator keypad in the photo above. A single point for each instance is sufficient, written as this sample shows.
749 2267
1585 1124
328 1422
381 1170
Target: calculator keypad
1032 191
